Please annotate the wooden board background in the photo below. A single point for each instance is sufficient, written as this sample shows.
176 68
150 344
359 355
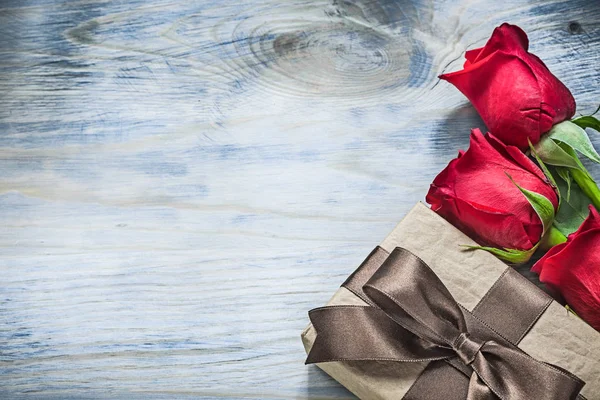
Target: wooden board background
182 180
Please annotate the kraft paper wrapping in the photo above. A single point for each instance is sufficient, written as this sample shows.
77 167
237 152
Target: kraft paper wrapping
558 337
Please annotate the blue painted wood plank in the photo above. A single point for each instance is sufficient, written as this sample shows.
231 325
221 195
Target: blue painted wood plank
182 181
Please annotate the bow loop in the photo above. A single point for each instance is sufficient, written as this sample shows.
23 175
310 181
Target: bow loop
413 296
415 318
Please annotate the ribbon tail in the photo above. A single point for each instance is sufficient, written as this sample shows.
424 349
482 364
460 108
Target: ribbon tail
512 374
478 390
347 333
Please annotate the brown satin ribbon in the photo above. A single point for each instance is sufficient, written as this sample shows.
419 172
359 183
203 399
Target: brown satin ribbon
413 318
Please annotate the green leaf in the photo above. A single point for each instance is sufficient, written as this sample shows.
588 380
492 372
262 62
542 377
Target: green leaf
573 209
540 203
587 122
551 153
512 256
584 180
575 136
566 176
569 219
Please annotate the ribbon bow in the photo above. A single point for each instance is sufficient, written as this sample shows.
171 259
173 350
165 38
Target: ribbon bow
413 317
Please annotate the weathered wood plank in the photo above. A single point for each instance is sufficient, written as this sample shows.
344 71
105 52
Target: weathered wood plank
182 181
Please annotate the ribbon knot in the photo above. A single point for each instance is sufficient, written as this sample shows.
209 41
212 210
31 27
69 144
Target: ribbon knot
413 317
467 348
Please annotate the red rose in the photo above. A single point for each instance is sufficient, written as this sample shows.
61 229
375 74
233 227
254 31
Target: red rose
513 91
572 269
475 194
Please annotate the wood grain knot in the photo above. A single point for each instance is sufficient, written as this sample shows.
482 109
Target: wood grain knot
575 28
304 50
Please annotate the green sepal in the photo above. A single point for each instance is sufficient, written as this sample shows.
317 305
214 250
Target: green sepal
542 165
566 176
540 203
552 238
551 153
512 256
569 309
572 134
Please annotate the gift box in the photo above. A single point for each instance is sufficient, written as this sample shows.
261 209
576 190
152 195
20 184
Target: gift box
422 313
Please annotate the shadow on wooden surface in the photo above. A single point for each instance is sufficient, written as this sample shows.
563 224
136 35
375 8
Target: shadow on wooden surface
182 181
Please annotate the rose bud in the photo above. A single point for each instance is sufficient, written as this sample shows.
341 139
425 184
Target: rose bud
476 194
514 92
572 270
